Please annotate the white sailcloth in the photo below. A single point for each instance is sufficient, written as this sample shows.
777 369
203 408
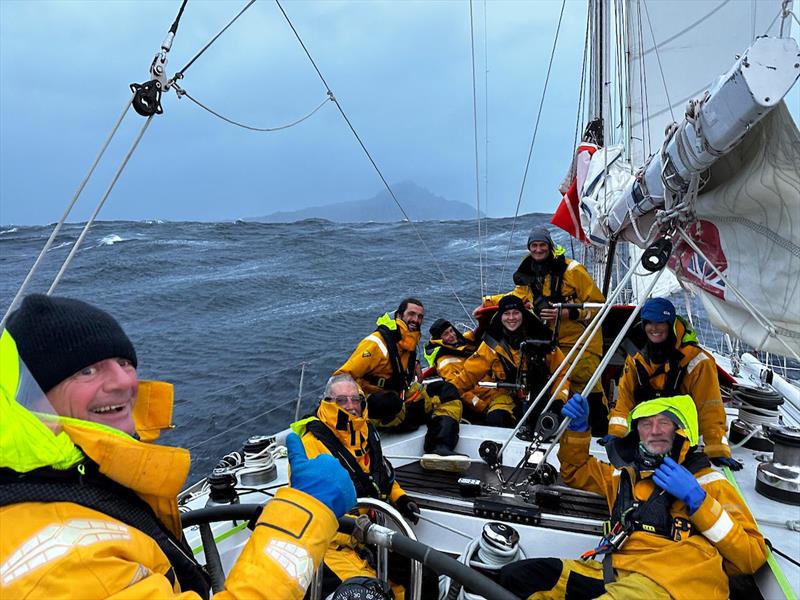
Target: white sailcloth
677 52
748 225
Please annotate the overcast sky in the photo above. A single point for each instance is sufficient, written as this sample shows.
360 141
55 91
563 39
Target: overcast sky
401 70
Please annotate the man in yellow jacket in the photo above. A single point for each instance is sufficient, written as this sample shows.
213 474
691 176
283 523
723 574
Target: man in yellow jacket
673 363
501 357
88 505
545 277
678 528
446 352
384 365
340 427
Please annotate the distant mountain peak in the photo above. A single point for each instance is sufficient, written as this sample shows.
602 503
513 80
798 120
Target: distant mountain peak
419 204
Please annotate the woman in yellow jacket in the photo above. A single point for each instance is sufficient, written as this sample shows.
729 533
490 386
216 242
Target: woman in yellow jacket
341 427
547 276
673 363
89 511
499 357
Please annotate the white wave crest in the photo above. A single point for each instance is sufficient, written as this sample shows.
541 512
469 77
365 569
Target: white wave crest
61 245
110 240
12 230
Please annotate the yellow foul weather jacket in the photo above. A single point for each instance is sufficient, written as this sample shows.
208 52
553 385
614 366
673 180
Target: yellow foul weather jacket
697 377
449 361
485 363
352 433
576 286
370 364
66 550
725 539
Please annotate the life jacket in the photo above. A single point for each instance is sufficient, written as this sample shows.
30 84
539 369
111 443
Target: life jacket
401 377
525 275
652 515
674 376
437 348
85 486
375 484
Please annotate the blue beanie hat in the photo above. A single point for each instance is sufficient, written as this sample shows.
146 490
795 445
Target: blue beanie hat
658 310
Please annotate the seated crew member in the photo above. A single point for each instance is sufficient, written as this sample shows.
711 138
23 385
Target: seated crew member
687 527
341 427
546 276
500 357
88 510
672 363
384 365
446 352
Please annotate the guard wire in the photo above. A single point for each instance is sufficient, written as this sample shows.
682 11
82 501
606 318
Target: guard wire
533 143
374 164
182 92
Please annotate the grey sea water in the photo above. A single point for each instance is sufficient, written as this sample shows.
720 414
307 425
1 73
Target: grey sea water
228 311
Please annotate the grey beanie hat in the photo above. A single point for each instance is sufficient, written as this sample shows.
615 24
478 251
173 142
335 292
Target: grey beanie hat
540 234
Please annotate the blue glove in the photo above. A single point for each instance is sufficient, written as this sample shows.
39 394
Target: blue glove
577 409
731 463
321 477
605 439
676 480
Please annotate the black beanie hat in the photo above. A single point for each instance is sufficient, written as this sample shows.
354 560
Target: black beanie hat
438 328
540 234
57 337
510 302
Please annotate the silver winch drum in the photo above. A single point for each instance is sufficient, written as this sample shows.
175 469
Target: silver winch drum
779 478
758 406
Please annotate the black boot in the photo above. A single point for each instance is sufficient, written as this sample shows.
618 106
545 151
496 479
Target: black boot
500 418
440 443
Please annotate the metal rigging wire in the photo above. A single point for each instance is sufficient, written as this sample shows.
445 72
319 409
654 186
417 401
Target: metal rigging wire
658 58
179 74
533 140
181 92
475 136
374 164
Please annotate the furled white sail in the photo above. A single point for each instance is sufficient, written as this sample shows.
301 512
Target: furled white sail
745 219
748 226
677 51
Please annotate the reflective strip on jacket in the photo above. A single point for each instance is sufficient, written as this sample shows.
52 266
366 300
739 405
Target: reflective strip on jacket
64 550
700 382
371 357
693 566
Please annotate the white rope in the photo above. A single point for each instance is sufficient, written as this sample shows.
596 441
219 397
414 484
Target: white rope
97 208
57 228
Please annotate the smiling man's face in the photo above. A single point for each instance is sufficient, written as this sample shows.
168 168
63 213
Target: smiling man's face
104 392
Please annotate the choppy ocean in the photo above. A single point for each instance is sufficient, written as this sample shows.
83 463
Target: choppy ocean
227 312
